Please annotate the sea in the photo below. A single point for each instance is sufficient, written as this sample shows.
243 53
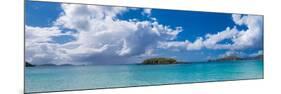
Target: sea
65 78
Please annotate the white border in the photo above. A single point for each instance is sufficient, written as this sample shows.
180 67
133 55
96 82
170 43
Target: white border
11 49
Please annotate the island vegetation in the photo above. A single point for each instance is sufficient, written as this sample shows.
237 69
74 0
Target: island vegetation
160 60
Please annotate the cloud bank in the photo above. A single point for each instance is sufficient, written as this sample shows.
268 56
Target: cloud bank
99 37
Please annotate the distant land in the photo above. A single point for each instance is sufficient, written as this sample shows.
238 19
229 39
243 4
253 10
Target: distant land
160 60
164 60
233 58
27 64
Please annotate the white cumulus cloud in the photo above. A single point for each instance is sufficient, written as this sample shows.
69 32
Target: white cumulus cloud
241 39
101 37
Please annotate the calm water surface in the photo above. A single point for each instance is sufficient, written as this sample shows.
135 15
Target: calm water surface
54 78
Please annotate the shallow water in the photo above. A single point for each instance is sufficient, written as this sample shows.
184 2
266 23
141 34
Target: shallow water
58 78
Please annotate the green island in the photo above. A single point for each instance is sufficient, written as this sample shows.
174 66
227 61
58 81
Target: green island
160 60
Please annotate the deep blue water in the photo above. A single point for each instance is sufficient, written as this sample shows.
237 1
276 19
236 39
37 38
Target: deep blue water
57 78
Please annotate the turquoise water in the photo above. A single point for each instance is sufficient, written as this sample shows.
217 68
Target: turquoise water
52 78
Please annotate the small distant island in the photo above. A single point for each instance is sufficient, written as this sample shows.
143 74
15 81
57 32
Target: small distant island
233 58
160 60
27 64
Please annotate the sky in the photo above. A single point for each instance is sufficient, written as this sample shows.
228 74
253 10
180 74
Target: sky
60 33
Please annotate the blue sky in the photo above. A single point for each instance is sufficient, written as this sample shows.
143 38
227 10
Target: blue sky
41 14
194 25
